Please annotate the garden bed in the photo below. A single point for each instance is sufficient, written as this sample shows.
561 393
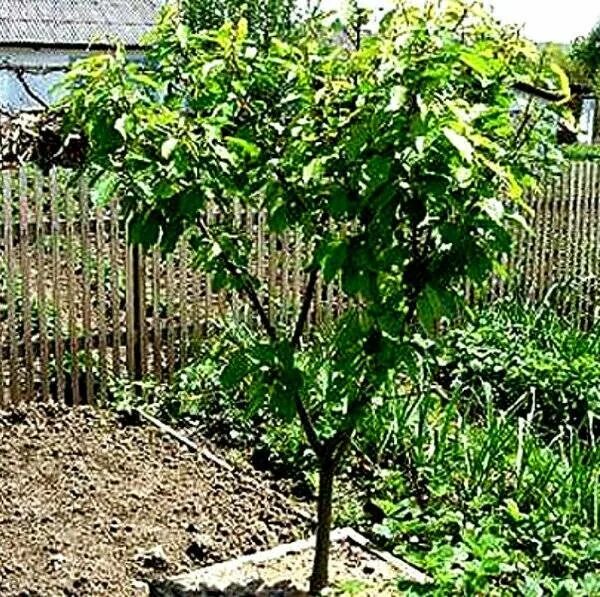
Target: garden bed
89 504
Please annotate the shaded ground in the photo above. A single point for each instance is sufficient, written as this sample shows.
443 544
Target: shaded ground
86 500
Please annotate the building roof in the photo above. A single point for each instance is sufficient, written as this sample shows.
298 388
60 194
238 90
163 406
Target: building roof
75 23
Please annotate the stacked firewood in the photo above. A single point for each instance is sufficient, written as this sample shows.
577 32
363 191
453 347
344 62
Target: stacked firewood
38 138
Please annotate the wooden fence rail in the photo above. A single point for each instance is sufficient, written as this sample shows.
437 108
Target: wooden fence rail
79 307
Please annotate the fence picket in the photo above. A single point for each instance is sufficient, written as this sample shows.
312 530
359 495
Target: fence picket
56 289
101 280
84 207
43 337
25 272
11 294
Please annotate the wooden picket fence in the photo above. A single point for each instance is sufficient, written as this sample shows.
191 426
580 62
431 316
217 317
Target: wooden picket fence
79 307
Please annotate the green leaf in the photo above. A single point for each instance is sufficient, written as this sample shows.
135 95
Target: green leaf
429 308
104 189
377 173
563 80
167 147
397 98
144 230
475 61
237 368
339 203
247 147
461 143
278 217
333 259
312 170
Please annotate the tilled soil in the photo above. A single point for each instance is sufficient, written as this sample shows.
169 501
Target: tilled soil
89 505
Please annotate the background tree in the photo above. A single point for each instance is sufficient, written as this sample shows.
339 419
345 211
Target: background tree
266 18
584 59
397 159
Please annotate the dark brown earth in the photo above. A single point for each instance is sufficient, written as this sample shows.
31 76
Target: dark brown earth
89 504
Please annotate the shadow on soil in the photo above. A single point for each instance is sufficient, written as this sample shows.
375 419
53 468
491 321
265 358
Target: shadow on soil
255 588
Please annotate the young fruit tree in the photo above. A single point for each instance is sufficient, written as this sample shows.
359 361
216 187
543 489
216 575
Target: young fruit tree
400 158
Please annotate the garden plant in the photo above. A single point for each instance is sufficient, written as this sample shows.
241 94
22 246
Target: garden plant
399 157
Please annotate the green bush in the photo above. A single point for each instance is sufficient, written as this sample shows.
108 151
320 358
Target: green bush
528 360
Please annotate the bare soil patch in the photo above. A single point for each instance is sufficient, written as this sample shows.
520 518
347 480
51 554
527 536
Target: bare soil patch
88 504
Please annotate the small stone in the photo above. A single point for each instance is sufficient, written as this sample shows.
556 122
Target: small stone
56 562
153 558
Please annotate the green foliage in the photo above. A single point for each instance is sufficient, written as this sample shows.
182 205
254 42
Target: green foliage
266 18
387 158
503 513
469 489
584 53
526 359
582 152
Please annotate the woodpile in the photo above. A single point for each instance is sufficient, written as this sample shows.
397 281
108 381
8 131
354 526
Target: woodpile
37 137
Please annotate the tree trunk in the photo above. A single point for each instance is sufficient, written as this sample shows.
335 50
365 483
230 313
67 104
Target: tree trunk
319 578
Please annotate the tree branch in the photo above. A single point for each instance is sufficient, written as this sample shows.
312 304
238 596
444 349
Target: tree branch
252 295
247 287
305 309
309 427
30 92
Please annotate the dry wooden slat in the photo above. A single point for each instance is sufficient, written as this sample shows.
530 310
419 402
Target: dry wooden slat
297 268
72 301
129 310
596 253
272 291
586 261
139 288
25 267
570 216
542 241
41 287
285 278
115 299
169 294
156 316
11 292
553 223
183 306
101 304
590 291
56 288
530 263
84 214
576 266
